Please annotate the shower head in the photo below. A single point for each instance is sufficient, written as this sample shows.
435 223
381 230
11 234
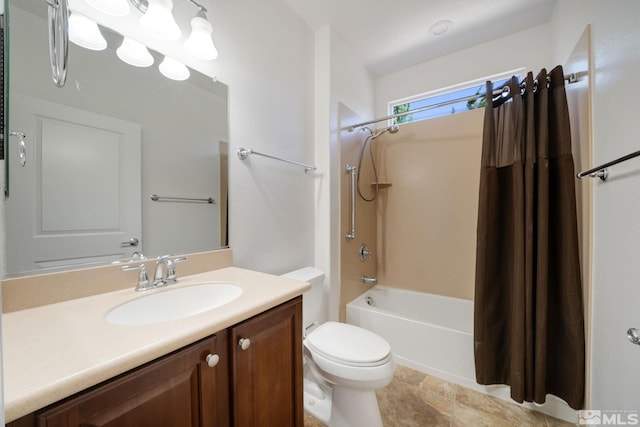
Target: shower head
372 133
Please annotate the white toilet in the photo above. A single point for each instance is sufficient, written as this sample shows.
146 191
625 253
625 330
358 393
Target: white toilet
344 364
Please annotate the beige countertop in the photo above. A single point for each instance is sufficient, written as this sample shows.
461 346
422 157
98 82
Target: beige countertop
55 350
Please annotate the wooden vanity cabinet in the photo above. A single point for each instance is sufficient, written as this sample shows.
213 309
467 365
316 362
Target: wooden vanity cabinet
180 389
266 370
258 386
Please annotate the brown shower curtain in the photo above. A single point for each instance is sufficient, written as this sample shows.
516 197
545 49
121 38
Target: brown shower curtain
528 324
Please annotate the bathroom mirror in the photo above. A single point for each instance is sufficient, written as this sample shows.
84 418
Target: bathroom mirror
97 150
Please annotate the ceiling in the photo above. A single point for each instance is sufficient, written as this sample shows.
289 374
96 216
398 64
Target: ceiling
391 35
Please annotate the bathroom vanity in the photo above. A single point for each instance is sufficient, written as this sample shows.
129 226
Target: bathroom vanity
236 365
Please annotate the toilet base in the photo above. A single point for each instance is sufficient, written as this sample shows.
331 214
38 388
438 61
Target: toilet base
317 401
354 408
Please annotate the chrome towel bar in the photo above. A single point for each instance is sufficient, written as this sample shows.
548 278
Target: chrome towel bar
157 198
243 153
602 172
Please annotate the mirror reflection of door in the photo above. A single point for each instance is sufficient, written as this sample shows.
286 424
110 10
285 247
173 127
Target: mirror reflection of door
77 199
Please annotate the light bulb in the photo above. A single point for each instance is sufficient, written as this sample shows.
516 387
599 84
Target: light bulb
199 43
111 7
134 53
174 70
158 20
85 32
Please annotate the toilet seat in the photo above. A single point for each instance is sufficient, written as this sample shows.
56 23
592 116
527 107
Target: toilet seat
349 345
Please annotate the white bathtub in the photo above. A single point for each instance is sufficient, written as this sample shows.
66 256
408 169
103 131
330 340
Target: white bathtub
433 334
430 333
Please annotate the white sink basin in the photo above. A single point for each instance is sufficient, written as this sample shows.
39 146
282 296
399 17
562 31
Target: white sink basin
173 304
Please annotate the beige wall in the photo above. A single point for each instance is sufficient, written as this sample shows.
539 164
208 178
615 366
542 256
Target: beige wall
351 268
427 217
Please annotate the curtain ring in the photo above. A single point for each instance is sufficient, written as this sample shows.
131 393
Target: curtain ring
535 86
58 40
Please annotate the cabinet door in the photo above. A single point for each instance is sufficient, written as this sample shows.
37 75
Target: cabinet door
267 375
177 390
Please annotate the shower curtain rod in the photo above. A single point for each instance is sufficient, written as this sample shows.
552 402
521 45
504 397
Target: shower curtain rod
500 92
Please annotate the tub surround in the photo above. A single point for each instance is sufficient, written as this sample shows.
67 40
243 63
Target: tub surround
54 350
426 228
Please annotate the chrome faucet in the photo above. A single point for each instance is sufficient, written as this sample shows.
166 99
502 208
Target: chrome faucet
143 279
166 271
367 279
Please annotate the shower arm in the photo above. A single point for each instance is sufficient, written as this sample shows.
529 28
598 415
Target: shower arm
351 170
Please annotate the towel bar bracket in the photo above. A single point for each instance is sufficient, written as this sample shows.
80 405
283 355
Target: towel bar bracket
603 174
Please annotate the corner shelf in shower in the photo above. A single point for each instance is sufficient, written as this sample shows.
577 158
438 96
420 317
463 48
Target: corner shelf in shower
382 184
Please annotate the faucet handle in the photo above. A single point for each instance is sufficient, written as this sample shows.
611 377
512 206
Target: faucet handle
143 278
171 269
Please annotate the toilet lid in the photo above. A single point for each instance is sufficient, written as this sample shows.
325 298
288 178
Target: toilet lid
348 344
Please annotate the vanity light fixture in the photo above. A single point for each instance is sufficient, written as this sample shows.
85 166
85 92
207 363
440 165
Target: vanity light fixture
111 7
134 53
158 20
85 32
172 69
200 44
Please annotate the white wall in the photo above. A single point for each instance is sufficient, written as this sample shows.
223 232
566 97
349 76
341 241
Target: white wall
269 68
479 62
340 78
615 37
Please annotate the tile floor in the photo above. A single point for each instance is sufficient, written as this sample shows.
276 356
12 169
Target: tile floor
416 399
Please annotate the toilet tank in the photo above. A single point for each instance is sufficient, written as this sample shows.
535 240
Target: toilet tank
314 301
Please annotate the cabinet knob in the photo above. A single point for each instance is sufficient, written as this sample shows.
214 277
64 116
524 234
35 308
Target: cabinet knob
244 343
212 360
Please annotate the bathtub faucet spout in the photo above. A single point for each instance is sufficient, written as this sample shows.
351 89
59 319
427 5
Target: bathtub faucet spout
367 279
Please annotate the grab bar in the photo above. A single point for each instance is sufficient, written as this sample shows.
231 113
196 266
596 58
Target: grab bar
157 198
602 172
243 153
349 169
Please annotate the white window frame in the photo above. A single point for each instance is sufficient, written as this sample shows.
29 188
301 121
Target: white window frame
519 72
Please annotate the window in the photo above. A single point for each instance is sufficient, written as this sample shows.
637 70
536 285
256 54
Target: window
447 101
